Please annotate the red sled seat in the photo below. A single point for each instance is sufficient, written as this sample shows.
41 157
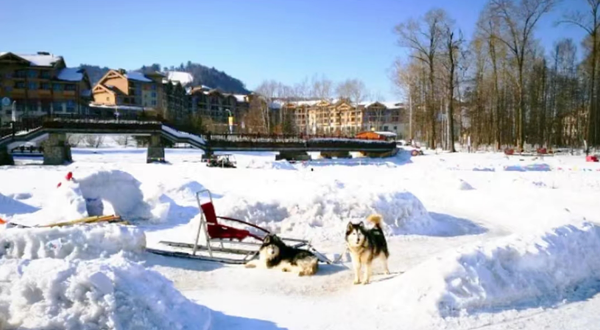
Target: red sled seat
219 231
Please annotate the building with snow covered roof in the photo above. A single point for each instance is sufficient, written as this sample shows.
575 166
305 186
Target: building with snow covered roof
135 91
343 117
217 106
41 84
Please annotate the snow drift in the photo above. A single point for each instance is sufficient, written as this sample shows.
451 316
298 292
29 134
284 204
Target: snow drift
323 211
97 193
518 270
85 277
111 293
10 206
80 242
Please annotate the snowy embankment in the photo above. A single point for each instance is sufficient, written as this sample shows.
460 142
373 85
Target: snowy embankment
322 210
520 270
95 193
71 243
86 277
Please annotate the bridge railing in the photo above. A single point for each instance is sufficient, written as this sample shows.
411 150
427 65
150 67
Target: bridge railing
287 138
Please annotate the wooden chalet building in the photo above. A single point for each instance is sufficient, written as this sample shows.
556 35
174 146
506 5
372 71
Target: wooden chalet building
41 84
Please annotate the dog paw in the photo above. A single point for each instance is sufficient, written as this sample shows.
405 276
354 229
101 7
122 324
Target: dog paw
387 272
356 282
250 265
366 282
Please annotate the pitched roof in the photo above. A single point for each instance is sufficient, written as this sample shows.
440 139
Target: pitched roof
71 74
184 78
40 60
137 76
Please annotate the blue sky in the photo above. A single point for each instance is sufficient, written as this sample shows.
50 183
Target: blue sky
252 40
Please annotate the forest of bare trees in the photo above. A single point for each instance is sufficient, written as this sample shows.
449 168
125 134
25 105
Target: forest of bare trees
501 88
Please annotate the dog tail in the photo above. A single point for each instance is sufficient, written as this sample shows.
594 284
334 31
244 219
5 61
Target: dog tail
375 219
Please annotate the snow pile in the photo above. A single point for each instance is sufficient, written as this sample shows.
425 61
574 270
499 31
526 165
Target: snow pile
98 193
271 165
464 185
518 270
322 211
111 293
10 206
79 242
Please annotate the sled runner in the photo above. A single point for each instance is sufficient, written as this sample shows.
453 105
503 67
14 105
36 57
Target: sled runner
221 245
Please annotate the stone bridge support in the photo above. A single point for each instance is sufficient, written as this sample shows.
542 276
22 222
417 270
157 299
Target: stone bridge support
56 150
5 157
293 155
156 151
335 154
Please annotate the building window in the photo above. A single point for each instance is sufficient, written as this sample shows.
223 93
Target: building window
33 85
20 85
153 87
45 74
8 88
153 94
46 106
153 102
70 106
70 87
32 105
20 73
45 86
32 73
57 106
57 87
8 75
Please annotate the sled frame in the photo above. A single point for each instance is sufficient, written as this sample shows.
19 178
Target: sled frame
244 250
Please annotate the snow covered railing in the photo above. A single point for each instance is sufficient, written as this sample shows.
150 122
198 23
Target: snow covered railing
258 138
183 135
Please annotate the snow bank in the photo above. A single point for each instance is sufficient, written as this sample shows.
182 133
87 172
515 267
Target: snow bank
515 271
10 206
271 165
322 211
111 293
79 242
98 193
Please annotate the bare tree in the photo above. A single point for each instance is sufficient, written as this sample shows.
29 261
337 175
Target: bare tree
268 89
519 18
424 38
94 141
302 89
123 140
590 23
321 87
453 42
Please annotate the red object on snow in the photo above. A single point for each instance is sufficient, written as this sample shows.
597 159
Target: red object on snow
2 221
591 159
542 151
69 177
217 230
509 151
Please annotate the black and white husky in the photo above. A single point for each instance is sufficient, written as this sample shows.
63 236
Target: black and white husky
275 254
365 245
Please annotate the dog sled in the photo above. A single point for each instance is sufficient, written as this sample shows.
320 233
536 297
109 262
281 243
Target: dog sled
220 239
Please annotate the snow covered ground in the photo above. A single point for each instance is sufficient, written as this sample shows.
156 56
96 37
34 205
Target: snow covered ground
477 241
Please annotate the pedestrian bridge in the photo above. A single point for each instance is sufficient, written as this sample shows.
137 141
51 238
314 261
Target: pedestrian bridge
57 151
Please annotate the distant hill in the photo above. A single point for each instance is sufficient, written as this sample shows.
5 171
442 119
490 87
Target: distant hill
203 75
